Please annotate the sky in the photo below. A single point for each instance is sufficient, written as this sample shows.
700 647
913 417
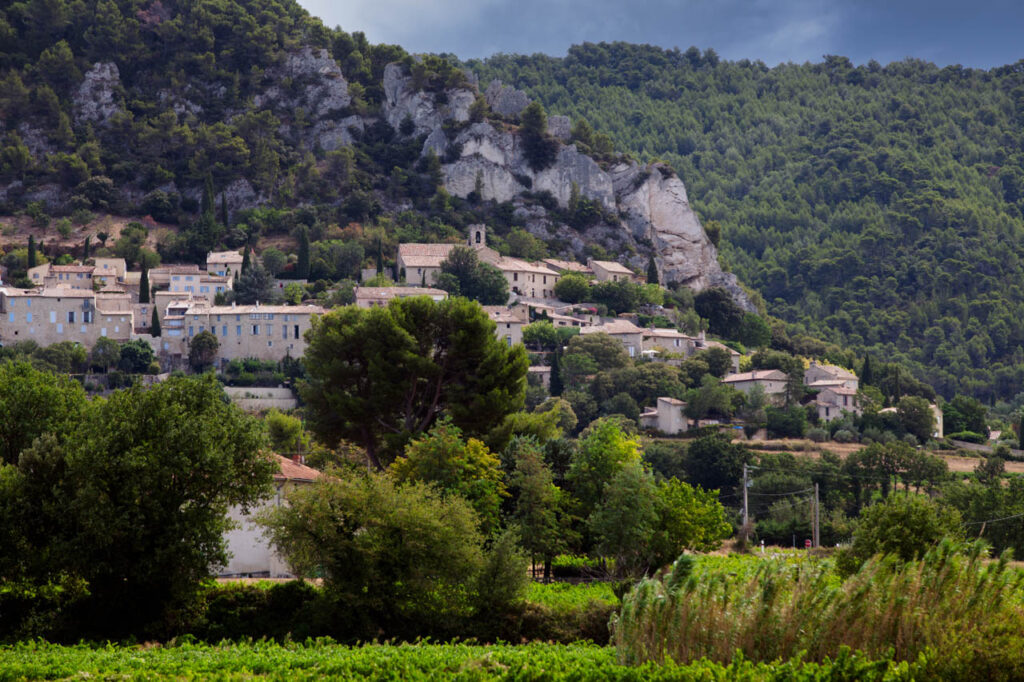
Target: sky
982 34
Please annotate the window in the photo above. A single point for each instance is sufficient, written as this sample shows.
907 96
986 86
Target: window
224 330
191 331
255 330
71 317
238 330
176 278
28 303
82 329
10 317
60 328
632 352
284 331
28 317
296 331
53 317
103 331
515 276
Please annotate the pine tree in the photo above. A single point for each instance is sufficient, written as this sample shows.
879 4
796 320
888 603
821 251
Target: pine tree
154 324
144 286
302 267
652 271
85 249
31 251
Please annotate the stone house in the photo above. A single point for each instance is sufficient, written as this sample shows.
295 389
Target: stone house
630 335
610 271
773 381
509 322
70 276
50 315
224 263
820 376
421 264
264 332
833 401
666 417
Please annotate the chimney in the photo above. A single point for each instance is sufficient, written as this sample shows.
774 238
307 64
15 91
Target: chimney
298 459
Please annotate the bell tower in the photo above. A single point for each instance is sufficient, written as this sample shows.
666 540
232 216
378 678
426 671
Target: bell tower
477 236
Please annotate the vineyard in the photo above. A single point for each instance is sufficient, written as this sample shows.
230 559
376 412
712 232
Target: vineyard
420 661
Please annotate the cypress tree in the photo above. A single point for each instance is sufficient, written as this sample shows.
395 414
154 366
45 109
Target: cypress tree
380 256
85 249
31 251
223 210
652 271
867 375
144 286
207 203
555 386
302 267
245 259
154 324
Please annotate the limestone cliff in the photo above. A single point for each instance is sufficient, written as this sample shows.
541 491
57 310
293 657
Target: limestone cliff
646 209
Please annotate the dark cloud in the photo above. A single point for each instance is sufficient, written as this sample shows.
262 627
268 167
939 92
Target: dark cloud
983 34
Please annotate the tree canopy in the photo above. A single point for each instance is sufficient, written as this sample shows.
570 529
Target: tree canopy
381 376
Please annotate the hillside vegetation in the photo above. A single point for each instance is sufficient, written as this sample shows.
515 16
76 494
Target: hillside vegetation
877 206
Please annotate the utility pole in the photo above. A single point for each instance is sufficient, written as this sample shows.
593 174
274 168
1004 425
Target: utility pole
746 518
817 518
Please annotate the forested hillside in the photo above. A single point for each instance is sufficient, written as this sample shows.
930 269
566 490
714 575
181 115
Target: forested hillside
878 206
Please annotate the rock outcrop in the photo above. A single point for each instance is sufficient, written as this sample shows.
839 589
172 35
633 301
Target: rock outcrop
316 85
653 203
426 110
505 100
95 99
497 158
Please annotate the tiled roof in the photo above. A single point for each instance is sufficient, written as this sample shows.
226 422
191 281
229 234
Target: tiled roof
202 309
612 266
500 313
613 327
293 471
506 264
224 257
666 334
671 401
756 375
568 266
72 268
175 270
397 292
841 390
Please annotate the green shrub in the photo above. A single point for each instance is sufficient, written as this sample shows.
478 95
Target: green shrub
954 600
968 437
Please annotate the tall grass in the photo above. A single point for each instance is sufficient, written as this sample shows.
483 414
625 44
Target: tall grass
962 612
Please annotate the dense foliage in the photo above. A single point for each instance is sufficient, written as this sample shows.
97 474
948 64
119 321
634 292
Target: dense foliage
114 510
878 207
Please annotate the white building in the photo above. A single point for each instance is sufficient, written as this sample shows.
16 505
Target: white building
249 550
773 381
666 417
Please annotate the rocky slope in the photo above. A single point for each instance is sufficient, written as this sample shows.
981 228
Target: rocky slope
650 202
302 102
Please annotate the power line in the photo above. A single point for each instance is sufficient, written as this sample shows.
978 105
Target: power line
795 492
1005 518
